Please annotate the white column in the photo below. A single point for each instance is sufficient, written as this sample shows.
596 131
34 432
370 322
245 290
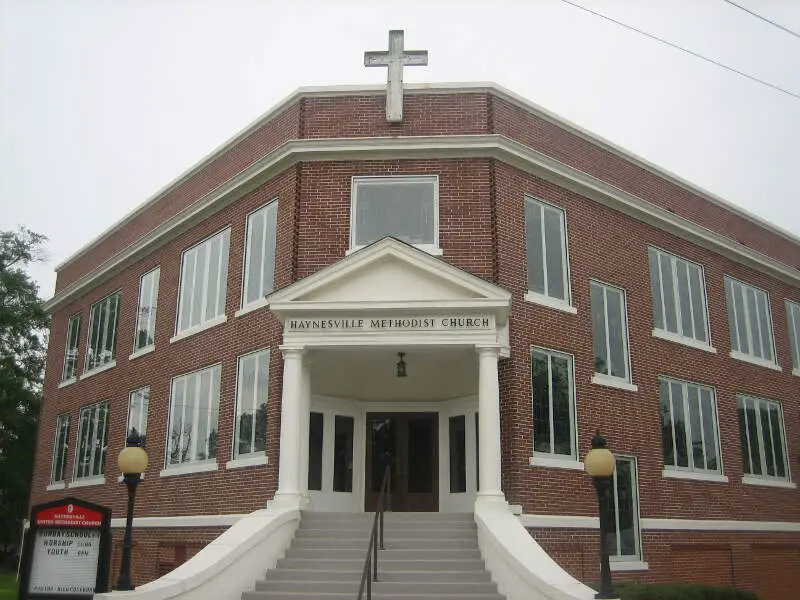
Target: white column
489 451
305 419
289 489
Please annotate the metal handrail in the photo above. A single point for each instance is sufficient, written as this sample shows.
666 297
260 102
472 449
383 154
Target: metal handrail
370 572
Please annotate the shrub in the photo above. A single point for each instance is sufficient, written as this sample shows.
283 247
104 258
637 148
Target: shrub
641 591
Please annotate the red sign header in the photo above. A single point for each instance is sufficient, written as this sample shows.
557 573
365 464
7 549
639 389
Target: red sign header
68 515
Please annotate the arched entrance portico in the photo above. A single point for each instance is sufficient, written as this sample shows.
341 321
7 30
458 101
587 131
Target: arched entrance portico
344 410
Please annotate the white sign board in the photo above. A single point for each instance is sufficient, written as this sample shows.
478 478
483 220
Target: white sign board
64 561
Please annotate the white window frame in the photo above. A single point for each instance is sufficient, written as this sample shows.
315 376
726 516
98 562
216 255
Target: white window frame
684 404
607 379
222 287
357 180
663 332
60 445
191 464
141 425
736 352
573 455
88 368
242 457
70 349
95 414
544 299
150 319
264 287
635 558
793 325
763 477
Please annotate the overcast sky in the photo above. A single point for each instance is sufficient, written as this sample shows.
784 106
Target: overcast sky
104 102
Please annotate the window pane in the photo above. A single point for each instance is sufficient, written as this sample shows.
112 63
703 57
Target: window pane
458 453
247 393
315 432
698 304
684 298
213 281
732 320
681 441
743 438
404 210
541 403
655 288
534 246
752 434
777 440
741 319
667 432
187 289
255 255
343 454
793 319
260 403
764 325
668 284
599 329
137 414
709 429
695 426
554 253
71 348
626 504
562 412
766 433
616 333
202 284
270 241
420 466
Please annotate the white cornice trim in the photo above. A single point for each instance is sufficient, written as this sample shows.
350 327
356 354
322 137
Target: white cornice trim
442 147
431 88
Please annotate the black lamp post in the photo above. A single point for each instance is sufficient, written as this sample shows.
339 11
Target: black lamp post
600 464
132 463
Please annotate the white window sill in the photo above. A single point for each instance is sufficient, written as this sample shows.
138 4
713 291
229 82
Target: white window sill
198 467
755 361
142 352
695 476
96 370
629 565
556 463
685 341
260 303
198 328
247 461
778 483
67 382
614 382
87 481
429 248
542 300
56 486
796 372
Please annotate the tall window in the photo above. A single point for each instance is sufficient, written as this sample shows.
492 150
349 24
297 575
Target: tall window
193 417
793 319
259 268
553 404
749 321
762 438
624 544
60 447
402 207
137 413
610 332
546 250
103 323
90 457
70 368
146 316
252 387
689 426
204 281
679 296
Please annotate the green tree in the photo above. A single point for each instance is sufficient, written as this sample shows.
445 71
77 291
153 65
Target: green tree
23 330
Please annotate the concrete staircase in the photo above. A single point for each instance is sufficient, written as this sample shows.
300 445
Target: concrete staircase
427 555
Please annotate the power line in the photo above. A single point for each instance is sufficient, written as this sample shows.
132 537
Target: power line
682 49
757 16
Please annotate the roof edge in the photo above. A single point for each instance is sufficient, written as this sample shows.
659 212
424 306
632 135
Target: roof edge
445 87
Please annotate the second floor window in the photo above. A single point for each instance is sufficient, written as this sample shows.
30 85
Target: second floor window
90 456
58 468
793 320
146 316
204 282
749 321
259 268
103 324
553 404
70 368
762 438
609 332
679 296
546 250
401 207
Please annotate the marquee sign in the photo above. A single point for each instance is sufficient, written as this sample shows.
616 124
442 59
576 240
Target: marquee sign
355 324
67 550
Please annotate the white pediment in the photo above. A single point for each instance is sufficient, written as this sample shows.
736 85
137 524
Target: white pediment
389 271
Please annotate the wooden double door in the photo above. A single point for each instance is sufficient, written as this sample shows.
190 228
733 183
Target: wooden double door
409 444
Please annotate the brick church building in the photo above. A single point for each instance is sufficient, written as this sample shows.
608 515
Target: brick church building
471 289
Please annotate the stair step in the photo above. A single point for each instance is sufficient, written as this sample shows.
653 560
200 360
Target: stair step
376 595
386 555
356 564
425 589
355 575
392 543
406 533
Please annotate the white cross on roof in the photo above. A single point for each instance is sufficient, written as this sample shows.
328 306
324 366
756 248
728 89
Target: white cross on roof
396 58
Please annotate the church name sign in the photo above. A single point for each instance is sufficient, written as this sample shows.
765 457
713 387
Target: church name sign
411 323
